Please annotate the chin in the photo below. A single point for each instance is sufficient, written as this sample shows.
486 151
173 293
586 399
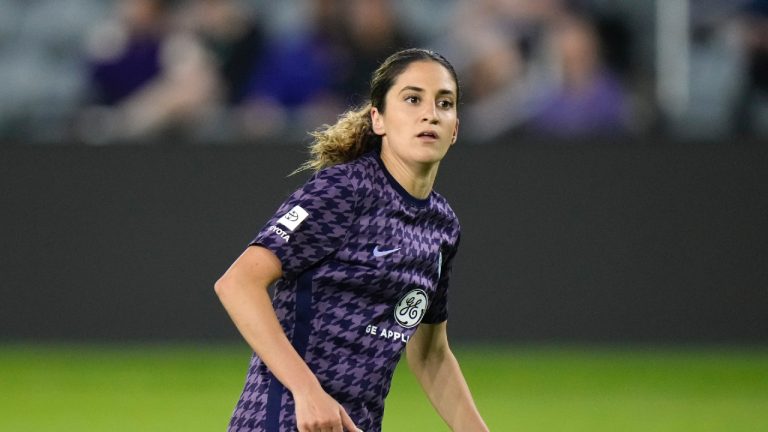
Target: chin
429 156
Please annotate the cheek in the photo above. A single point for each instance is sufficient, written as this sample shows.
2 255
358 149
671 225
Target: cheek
399 125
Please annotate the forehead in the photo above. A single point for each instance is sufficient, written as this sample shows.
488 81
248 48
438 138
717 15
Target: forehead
428 75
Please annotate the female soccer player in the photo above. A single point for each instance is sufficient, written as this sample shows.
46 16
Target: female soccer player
362 256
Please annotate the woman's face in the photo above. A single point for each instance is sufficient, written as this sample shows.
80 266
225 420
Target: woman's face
420 123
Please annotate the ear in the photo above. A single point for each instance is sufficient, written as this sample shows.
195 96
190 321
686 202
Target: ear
377 122
455 133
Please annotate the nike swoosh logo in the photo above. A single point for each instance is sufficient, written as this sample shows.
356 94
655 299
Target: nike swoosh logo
380 253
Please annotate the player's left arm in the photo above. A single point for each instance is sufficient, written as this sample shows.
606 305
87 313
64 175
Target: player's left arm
432 361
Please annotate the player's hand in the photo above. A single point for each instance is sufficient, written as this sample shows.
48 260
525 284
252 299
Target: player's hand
317 411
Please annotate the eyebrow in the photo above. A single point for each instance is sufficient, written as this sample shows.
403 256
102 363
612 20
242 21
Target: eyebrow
421 90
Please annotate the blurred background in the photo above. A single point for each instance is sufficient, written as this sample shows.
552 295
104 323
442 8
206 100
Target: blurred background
252 71
611 178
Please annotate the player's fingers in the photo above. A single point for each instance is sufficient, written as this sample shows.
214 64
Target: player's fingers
321 427
335 428
346 421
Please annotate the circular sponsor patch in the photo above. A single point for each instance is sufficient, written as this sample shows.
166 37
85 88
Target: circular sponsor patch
411 308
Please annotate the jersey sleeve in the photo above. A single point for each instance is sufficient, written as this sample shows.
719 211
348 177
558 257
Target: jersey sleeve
437 311
312 223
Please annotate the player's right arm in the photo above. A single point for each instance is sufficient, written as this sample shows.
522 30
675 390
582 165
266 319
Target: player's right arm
243 292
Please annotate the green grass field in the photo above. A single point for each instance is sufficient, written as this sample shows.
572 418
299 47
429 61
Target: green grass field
194 388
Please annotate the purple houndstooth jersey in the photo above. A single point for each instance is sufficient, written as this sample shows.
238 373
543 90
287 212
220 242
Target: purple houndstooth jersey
363 264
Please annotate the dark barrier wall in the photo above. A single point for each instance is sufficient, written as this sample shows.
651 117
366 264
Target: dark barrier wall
598 243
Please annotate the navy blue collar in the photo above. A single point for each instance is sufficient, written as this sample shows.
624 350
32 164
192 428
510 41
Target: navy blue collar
418 202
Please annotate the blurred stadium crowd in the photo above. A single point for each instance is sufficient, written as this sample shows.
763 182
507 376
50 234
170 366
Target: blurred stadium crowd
236 71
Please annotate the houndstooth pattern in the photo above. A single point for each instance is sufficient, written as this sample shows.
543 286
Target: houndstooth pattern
353 208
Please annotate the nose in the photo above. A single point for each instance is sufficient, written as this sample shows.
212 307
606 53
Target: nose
430 114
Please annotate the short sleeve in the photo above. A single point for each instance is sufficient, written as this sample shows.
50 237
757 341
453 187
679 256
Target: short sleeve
312 223
437 311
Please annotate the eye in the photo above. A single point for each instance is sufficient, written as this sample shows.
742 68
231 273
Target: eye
412 99
445 103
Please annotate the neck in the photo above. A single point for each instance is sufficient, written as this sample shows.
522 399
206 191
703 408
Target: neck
416 178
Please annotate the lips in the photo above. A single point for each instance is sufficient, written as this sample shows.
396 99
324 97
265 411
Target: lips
428 134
